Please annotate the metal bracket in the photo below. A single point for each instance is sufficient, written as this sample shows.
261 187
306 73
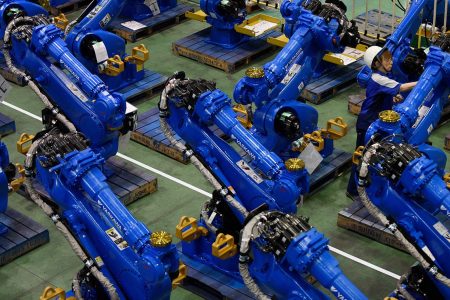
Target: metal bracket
316 138
336 128
114 66
24 143
224 246
61 21
53 292
242 115
188 230
199 15
447 180
17 182
182 273
356 157
249 26
139 55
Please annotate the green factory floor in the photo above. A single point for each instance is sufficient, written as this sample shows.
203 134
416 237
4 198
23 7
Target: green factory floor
55 263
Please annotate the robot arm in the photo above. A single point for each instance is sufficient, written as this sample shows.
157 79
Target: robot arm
420 112
313 30
405 190
122 258
255 192
31 43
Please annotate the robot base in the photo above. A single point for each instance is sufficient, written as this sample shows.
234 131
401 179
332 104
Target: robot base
22 235
127 181
149 134
197 47
209 283
151 84
135 31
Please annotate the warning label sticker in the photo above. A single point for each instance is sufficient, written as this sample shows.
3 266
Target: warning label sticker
115 236
249 171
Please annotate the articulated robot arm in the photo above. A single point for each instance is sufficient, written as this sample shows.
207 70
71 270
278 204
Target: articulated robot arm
32 44
420 112
405 190
255 195
122 258
279 120
103 52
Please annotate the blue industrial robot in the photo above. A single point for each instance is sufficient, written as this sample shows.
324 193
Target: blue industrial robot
223 16
280 121
103 52
83 120
248 231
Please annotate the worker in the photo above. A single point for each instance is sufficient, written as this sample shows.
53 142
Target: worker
382 92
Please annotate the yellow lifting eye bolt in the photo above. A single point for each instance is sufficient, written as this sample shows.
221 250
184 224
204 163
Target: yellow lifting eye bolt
316 138
114 66
61 21
242 115
447 180
54 293
336 128
188 230
139 55
224 246
357 155
17 182
182 273
24 143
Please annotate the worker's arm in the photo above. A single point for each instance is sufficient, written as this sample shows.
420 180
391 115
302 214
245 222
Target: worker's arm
407 86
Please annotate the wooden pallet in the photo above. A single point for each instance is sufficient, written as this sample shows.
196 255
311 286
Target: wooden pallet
7 125
356 218
251 7
369 37
128 182
150 25
331 83
151 84
197 47
208 283
69 7
148 133
354 103
22 235
6 73
330 168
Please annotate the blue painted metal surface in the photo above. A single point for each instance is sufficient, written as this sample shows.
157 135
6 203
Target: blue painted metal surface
223 16
275 92
263 181
71 172
137 269
86 102
91 30
418 201
421 110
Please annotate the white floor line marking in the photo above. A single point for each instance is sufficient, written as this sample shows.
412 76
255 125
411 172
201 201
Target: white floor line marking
22 110
364 263
205 193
